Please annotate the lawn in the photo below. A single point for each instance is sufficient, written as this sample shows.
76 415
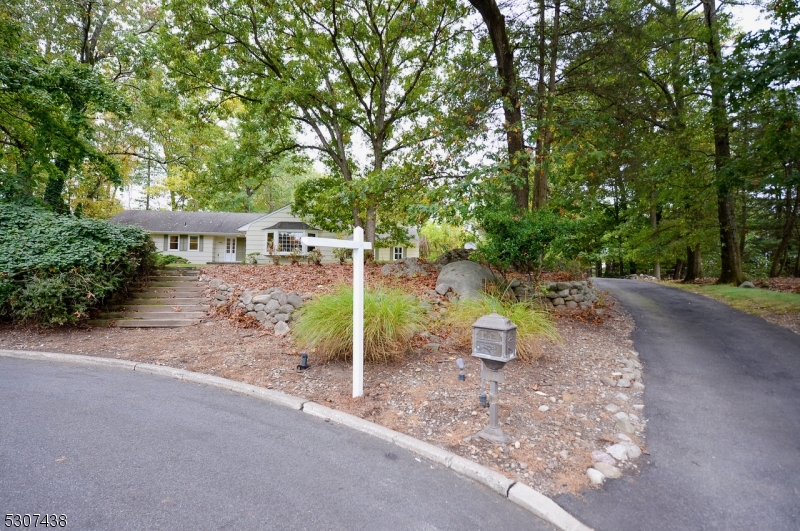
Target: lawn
754 301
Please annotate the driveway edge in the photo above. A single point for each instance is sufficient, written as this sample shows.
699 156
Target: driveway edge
519 494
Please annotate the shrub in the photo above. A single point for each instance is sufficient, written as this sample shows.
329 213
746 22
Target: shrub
55 269
533 324
391 318
314 257
252 258
342 254
161 260
519 241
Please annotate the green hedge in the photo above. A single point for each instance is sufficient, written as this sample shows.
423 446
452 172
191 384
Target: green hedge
55 269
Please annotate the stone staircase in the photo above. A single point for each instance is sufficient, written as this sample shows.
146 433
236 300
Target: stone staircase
171 298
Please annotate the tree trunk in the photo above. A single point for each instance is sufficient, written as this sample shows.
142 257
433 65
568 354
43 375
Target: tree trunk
730 259
544 132
694 264
504 55
791 210
676 275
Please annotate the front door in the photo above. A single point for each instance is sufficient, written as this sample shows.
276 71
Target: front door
230 249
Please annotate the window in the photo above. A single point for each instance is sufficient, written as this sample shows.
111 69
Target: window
173 243
290 241
397 253
194 243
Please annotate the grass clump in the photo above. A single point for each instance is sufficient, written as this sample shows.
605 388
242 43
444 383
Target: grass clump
533 325
753 301
391 318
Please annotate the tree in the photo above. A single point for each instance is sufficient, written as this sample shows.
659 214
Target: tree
350 73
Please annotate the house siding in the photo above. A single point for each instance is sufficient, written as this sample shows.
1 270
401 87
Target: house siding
195 257
256 235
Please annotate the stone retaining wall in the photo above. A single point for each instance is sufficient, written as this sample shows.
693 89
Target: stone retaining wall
561 295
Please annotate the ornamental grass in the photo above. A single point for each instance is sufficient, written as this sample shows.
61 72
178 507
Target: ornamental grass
391 318
533 324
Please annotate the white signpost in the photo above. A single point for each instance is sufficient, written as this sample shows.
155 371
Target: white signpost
358 245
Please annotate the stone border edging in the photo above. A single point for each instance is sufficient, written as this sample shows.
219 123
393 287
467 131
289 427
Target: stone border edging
518 493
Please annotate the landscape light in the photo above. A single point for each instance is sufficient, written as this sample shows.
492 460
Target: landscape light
461 375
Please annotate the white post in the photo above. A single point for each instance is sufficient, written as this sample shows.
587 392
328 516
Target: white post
358 245
358 313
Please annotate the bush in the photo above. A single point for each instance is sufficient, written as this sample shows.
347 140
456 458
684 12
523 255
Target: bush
342 254
161 260
55 269
533 325
391 319
519 241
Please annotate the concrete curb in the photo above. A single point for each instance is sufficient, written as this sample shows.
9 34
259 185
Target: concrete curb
522 495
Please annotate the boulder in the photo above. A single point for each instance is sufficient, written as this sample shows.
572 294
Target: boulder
747 284
215 283
407 267
281 328
465 278
454 255
295 300
272 306
260 299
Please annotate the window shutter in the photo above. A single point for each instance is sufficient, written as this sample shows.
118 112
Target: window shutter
184 242
166 242
200 243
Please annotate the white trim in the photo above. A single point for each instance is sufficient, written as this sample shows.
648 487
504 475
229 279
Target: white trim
402 252
245 228
177 242
189 243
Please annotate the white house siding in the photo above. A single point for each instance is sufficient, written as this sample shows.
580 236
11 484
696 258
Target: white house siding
256 235
385 254
195 257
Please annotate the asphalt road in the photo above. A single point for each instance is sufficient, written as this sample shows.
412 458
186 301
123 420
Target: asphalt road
723 401
114 449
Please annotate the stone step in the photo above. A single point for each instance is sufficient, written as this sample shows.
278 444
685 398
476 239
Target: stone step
173 280
144 323
171 294
158 308
158 314
165 301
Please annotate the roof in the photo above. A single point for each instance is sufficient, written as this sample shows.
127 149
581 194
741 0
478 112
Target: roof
289 225
186 222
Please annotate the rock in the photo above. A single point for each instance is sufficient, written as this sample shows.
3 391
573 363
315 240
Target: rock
223 287
286 308
609 471
631 450
551 295
261 316
599 311
623 382
562 286
454 255
514 283
281 329
600 456
432 346
608 381
407 267
295 300
251 314
215 283
571 304
563 454
272 306
623 438
544 409
613 408
558 301
261 299
442 289
563 293
595 476
465 278
282 317
622 396
618 451
638 385
623 423
258 308
577 297
747 284
221 296
250 307
247 297
638 407
281 297
585 305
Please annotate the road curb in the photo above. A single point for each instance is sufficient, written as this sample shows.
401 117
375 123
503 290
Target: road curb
519 494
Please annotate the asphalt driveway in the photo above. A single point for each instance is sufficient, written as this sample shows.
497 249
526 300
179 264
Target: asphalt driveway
723 404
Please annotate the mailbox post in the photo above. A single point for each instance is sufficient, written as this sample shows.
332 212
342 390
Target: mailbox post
494 341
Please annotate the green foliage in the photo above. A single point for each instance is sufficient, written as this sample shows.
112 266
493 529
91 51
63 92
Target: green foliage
54 269
314 257
342 254
533 325
519 241
391 318
442 237
161 260
252 258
